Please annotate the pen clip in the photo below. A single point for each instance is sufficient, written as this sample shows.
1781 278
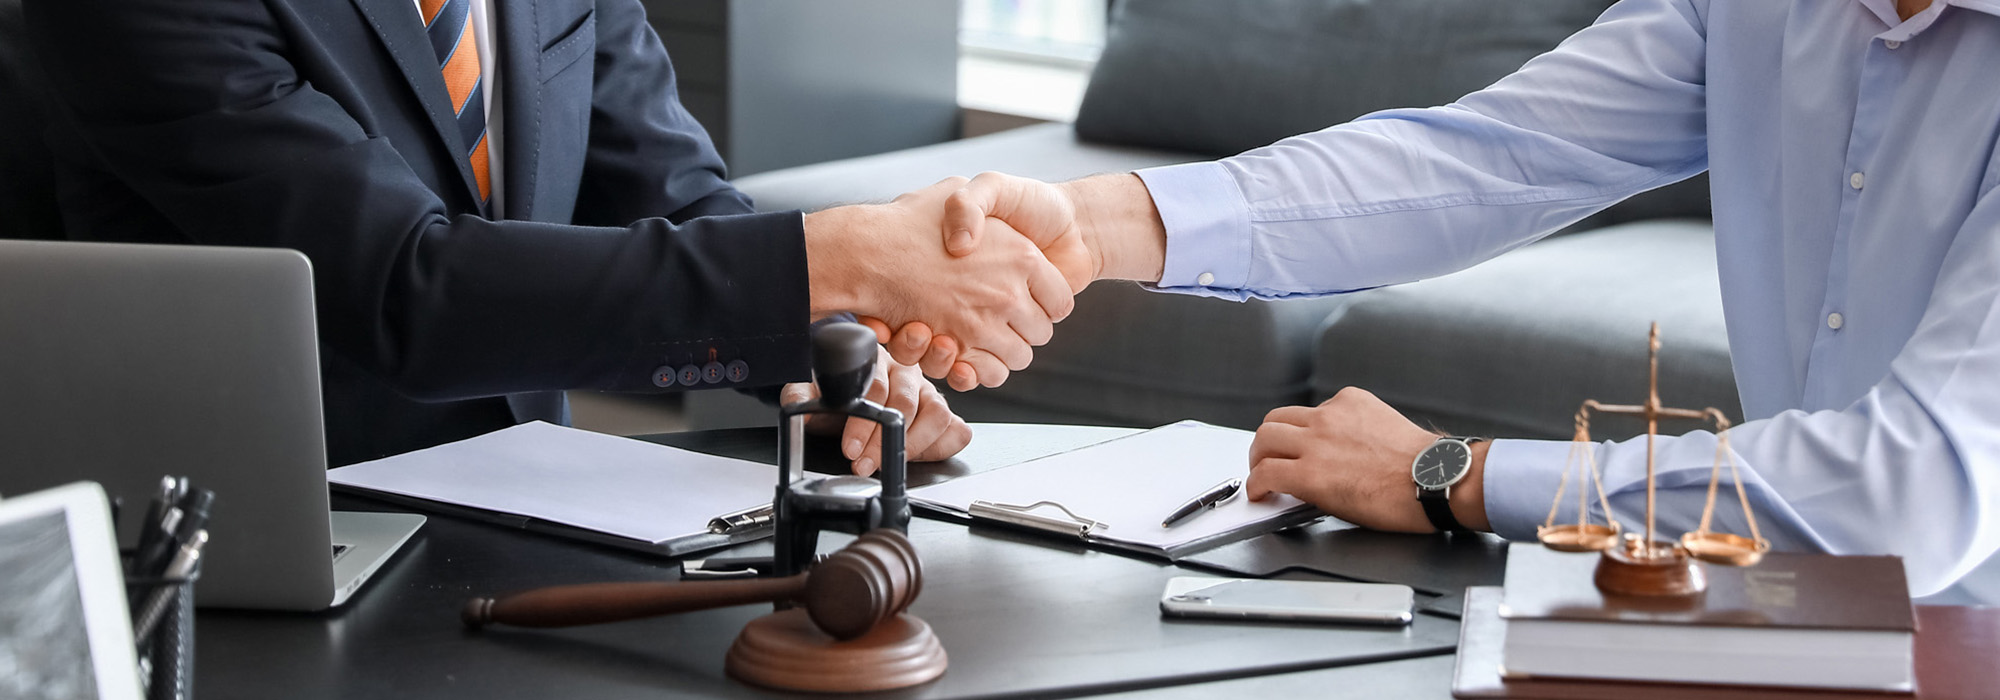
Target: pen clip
1075 525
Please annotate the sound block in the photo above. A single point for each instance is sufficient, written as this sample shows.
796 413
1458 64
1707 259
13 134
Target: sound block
785 650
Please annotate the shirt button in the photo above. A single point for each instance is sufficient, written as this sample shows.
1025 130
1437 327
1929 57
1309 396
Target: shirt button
738 371
664 376
690 375
712 372
1835 320
1893 44
1856 180
1206 278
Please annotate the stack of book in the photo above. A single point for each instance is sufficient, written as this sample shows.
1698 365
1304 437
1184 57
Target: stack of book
1794 625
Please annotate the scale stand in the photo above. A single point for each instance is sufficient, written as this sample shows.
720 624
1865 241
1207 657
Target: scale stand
1638 565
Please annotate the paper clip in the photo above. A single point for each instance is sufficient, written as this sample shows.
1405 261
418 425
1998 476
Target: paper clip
1076 525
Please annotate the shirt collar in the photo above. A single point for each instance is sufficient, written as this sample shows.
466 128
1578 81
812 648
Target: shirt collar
1899 29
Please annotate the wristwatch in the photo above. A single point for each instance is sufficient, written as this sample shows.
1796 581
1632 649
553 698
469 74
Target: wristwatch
1435 469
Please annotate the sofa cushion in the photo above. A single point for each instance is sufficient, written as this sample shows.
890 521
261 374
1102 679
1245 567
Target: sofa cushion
1219 78
1512 347
1042 151
1133 357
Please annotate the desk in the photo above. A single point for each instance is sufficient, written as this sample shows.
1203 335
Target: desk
1019 615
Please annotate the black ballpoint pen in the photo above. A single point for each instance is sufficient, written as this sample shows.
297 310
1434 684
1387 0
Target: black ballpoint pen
1215 495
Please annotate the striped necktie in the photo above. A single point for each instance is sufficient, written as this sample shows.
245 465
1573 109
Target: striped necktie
449 23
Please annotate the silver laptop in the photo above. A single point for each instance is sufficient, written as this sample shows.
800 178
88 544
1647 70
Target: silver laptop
123 363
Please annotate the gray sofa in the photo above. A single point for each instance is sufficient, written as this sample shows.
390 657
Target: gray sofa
1508 348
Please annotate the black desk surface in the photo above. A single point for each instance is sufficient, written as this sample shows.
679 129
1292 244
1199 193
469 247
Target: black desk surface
1019 615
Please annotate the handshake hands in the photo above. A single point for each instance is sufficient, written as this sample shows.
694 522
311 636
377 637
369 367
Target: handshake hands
1014 253
962 280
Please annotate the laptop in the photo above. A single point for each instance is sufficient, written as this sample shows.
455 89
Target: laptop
123 363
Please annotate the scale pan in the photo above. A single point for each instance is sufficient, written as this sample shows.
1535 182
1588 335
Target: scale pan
1577 538
1724 549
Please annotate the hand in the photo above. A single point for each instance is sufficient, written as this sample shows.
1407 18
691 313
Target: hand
931 432
1103 227
1351 457
884 261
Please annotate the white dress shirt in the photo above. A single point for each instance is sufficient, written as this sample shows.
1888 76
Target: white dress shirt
1853 164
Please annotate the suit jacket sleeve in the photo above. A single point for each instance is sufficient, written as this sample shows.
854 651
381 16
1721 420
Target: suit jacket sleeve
198 107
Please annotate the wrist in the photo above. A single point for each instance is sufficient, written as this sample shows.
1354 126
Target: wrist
1468 496
835 276
1120 225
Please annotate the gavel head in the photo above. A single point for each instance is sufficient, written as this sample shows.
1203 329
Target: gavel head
843 361
864 584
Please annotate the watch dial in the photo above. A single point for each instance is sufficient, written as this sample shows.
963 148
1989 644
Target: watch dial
1440 465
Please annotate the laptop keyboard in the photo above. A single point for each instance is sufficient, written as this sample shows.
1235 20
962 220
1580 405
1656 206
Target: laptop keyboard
340 550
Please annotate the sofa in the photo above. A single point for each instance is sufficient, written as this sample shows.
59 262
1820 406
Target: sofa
1508 348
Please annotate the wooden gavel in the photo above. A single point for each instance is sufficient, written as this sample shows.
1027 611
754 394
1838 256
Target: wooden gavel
864 584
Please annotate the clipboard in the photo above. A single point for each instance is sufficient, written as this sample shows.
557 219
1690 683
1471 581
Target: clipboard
1114 494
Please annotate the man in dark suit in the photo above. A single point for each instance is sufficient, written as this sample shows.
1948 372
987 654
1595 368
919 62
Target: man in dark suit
501 199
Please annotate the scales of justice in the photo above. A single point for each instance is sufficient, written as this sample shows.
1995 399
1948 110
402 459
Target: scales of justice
1631 564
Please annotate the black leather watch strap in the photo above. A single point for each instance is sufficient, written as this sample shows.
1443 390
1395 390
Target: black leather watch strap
1437 507
1437 503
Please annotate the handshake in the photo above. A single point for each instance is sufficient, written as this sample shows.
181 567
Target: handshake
966 277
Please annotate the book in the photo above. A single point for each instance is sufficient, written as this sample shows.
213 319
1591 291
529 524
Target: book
1115 493
1955 649
1793 620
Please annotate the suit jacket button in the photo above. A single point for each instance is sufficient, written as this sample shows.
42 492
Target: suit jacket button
711 372
690 375
737 371
664 376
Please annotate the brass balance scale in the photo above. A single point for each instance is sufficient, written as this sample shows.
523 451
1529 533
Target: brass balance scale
1631 564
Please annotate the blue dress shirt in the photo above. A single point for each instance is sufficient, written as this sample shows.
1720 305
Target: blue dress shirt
1852 158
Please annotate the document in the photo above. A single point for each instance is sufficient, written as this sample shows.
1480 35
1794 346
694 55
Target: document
1127 486
618 486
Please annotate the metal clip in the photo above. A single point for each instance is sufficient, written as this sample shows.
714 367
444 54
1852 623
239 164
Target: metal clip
1077 525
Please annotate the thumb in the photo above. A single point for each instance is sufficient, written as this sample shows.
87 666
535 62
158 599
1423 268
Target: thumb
964 214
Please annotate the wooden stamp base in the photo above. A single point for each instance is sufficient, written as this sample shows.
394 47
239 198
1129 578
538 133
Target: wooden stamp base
785 650
1649 569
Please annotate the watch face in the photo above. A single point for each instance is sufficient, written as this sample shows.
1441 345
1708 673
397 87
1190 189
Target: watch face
1442 464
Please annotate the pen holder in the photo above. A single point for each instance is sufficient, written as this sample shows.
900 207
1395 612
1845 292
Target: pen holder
166 652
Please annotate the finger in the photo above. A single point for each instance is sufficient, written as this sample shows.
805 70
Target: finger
1278 440
868 456
963 377
1051 290
910 343
855 437
1295 415
964 215
794 393
952 435
927 425
1035 208
881 328
943 354
1036 330
1271 476
988 370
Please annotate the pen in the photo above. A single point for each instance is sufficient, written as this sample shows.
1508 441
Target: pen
149 526
1215 495
177 570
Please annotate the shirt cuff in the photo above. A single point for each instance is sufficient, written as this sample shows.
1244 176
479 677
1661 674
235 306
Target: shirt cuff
1520 483
1208 228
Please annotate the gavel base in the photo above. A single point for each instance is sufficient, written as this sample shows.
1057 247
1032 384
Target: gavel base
785 650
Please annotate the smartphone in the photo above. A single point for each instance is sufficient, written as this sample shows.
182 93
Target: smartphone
1299 601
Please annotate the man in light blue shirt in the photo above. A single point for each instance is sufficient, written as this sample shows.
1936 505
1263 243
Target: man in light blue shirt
1851 148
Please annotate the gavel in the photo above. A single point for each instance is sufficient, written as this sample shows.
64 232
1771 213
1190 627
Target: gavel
863 585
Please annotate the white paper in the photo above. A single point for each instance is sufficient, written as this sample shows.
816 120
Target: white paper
1131 484
647 492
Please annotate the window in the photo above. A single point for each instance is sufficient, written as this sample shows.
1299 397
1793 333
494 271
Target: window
1054 31
1028 58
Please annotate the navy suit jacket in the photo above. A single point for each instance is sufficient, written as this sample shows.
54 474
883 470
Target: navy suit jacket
324 126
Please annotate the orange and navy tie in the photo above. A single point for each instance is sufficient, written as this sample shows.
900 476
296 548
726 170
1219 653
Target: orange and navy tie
449 23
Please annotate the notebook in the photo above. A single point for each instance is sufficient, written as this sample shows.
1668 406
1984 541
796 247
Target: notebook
579 484
1116 493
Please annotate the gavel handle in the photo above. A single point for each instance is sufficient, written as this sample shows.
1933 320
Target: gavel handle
592 603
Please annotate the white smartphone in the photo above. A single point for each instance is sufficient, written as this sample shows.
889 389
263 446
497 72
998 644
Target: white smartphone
1301 601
